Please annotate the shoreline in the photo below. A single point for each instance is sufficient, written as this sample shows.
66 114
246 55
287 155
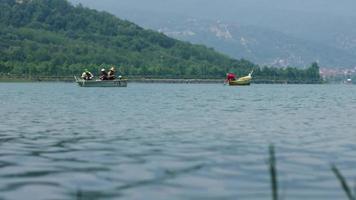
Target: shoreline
163 81
24 79
132 80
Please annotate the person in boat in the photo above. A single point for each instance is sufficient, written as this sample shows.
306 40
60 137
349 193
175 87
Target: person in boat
103 74
111 74
87 75
230 77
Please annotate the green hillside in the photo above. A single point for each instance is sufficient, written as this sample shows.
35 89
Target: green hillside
53 37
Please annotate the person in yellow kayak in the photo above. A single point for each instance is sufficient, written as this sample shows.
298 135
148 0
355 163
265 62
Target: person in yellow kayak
111 74
230 77
87 75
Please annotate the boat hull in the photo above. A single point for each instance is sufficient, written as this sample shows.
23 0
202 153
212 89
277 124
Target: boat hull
101 83
239 83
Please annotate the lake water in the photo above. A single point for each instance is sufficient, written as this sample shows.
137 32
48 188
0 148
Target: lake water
174 141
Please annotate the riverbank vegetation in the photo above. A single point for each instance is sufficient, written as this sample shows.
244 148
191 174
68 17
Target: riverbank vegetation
288 75
55 38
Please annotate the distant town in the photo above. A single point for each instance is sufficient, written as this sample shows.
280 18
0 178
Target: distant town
338 75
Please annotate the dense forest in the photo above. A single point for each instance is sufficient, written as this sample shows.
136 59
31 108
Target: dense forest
53 37
288 75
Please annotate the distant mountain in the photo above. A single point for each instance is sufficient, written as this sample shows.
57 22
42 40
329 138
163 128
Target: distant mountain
275 33
56 38
262 45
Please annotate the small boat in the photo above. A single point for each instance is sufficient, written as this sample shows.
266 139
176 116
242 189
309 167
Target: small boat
101 83
246 80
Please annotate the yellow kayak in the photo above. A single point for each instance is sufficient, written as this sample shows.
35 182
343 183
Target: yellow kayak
246 80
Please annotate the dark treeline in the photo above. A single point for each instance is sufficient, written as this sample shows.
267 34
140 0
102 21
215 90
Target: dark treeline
288 75
53 37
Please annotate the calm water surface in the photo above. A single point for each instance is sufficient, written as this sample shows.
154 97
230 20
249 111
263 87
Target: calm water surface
167 141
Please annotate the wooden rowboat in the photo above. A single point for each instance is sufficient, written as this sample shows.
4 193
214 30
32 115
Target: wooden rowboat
101 83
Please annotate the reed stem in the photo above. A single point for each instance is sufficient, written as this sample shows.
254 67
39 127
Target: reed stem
273 172
343 182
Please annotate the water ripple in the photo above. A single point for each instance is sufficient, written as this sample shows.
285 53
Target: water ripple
162 141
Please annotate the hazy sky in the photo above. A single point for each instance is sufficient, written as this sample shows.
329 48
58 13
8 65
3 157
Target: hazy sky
293 17
220 8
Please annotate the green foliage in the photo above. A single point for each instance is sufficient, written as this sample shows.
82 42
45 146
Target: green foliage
52 37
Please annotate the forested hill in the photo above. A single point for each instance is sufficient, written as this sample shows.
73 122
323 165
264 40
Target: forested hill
53 37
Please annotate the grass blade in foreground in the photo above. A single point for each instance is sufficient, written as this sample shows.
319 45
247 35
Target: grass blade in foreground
343 182
273 172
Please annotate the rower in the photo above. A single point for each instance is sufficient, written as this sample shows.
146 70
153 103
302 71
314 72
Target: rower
103 74
111 74
230 77
87 75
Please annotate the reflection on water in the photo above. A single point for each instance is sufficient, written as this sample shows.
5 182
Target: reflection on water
167 141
